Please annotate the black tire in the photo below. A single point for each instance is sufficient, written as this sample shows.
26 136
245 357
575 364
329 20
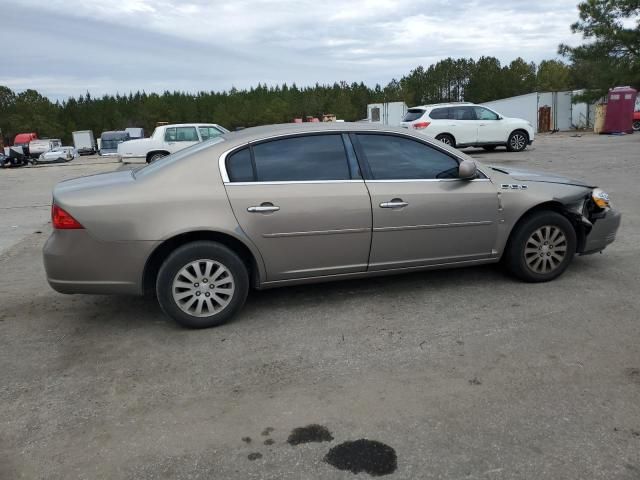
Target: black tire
518 141
180 259
446 139
522 254
156 156
489 148
636 125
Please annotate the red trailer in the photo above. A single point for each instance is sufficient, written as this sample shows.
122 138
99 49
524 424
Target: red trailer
23 139
621 102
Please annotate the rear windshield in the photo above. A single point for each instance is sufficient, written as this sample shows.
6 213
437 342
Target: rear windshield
179 155
413 114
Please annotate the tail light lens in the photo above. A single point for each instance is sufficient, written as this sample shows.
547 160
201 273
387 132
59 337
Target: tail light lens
62 220
421 125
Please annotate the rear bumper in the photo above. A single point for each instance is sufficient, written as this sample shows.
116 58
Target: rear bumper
75 262
603 232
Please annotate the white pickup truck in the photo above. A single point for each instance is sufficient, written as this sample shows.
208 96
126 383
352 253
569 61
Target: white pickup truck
167 139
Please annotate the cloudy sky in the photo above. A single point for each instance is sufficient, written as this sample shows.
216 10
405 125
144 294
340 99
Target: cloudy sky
68 47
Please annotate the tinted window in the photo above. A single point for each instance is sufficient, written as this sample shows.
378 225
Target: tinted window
413 114
208 132
239 166
485 114
397 158
462 113
439 113
314 157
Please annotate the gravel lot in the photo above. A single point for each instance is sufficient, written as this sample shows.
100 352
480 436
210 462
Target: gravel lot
465 374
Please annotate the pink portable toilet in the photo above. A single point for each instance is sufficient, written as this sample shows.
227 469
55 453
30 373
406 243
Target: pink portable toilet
621 102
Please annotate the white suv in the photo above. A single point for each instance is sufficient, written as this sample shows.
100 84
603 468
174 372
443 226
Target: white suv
167 139
468 125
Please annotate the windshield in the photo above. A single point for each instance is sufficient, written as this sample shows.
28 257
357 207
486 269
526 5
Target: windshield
168 160
413 114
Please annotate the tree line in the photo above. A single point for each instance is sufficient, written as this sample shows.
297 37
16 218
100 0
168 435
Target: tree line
610 57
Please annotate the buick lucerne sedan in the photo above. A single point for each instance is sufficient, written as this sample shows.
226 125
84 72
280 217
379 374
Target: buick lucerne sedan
288 204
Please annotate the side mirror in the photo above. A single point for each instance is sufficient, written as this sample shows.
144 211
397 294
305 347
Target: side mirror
467 170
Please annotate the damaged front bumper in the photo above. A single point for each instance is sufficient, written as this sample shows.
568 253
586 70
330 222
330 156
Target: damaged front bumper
603 231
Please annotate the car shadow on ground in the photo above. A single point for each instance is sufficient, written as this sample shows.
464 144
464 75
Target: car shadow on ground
126 312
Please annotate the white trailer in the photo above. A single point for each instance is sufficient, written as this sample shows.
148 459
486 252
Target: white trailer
389 113
84 142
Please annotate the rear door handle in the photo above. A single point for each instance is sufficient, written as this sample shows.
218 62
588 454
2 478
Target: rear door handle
395 203
264 208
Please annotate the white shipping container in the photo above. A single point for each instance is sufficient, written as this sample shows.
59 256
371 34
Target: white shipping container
390 113
84 142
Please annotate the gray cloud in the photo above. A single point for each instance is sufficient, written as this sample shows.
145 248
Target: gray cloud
66 47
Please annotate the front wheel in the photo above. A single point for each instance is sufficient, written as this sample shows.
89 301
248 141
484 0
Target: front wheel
636 125
517 141
541 248
156 156
202 284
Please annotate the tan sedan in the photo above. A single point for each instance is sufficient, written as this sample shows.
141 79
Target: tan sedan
286 204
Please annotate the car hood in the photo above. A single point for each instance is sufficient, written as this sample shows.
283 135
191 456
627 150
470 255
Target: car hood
525 175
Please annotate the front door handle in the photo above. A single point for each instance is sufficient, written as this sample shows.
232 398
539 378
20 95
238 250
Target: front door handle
395 203
265 207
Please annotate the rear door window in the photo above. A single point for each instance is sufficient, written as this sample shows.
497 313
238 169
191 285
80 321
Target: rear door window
304 158
462 113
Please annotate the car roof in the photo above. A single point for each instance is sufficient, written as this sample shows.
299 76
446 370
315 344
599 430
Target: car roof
265 131
450 104
195 124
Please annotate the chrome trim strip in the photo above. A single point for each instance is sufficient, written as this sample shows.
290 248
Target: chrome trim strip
435 225
316 232
429 180
231 184
433 142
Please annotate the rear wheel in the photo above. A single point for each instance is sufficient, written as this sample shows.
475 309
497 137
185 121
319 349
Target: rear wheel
636 125
517 141
202 284
446 139
541 248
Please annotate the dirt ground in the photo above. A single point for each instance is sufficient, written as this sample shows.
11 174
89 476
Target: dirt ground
461 374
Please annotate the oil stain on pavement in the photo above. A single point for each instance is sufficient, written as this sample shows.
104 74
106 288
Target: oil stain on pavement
370 456
308 434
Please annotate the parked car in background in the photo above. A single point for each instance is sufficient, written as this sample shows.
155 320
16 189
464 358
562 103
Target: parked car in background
109 142
43 145
168 139
60 154
84 142
298 203
469 125
636 121
135 132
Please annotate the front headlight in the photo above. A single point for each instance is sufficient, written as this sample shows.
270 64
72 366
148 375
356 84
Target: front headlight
600 198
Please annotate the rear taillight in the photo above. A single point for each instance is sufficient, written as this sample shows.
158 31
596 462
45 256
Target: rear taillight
62 220
421 125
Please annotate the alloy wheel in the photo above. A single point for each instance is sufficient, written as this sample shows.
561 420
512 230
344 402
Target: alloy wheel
446 140
203 288
518 141
545 249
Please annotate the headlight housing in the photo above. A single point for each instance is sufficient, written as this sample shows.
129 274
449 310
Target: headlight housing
600 198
